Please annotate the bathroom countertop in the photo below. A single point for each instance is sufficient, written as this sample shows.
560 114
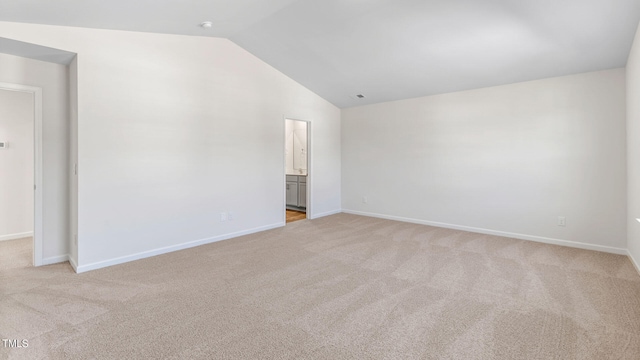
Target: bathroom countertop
297 174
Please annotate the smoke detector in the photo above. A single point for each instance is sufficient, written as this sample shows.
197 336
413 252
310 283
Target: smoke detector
206 24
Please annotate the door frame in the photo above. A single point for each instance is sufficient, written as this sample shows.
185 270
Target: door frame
37 168
309 168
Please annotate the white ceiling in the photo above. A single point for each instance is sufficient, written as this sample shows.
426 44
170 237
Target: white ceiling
384 49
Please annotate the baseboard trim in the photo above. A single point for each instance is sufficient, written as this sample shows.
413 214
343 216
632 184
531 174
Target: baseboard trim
73 264
327 213
55 260
635 263
16 236
296 208
172 248
541 239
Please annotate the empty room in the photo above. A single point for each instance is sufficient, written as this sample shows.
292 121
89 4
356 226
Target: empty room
300 179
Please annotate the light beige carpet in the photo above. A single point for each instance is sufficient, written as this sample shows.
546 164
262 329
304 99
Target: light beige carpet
16 254
339 287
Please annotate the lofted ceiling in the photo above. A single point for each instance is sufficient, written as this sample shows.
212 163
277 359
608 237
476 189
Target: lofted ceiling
383 49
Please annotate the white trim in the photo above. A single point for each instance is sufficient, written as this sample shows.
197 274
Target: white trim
310 173
573 244
633 261
168 249
16 236
38 234
55 259
284 172
333 212
73 264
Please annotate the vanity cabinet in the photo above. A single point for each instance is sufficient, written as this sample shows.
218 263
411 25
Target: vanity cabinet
302 191
292 193
296 191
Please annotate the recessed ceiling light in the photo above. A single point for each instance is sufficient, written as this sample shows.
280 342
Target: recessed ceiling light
206 24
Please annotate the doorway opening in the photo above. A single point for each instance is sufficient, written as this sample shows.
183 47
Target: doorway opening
21 187
297 170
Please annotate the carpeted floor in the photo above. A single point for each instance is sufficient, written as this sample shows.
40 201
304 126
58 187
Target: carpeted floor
339 287
16 254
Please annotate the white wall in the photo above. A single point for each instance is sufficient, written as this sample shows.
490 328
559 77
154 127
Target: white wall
507 159
53 79
633 150
16 164
173 130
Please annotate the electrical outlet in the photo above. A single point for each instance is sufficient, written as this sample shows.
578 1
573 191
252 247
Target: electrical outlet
223 216
562 221
230 216
365 200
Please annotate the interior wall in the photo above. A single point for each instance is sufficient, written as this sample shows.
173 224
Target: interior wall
507 160
172 131
16 162
633 150
54 81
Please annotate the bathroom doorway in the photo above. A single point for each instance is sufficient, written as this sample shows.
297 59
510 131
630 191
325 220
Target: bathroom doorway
297 174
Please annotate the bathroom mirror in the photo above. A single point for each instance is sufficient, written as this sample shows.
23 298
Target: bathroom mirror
296 147
300 150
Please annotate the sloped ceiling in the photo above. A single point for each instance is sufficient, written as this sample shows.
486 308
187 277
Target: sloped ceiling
384 49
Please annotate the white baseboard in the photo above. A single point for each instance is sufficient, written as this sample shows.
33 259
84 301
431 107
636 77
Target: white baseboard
574 244
16 236
73 264
635 263
327 213
168 249
55 259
